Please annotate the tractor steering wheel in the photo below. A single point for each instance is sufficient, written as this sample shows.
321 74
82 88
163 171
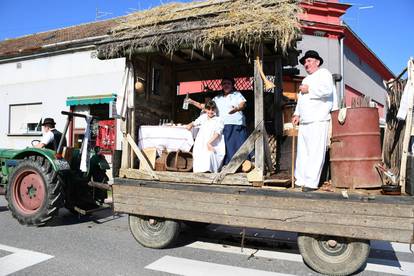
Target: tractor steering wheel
35 141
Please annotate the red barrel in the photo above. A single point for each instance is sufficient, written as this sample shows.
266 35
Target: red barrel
355 149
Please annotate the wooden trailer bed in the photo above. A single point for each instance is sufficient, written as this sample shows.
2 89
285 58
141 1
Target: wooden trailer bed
358 216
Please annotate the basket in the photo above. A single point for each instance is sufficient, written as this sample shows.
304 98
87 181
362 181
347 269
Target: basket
179 161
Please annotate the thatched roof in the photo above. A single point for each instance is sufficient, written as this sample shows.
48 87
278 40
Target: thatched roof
206 24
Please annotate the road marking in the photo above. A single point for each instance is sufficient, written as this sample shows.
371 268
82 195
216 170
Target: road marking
377 265
188 267
19 259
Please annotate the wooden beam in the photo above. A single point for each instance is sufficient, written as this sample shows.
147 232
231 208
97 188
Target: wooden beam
225 52
193 53
278 95
144 163
408 128
125 153
241 154
258 107
175 59
239 179
267 152
208 64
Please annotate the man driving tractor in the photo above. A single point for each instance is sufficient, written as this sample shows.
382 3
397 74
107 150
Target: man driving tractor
51 136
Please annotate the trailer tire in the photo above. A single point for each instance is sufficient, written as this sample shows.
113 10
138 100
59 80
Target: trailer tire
154 232
33 196
333 255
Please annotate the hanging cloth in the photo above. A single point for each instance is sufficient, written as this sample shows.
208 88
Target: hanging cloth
407 96
127 100
84 164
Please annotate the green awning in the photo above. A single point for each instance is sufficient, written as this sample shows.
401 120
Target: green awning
88 100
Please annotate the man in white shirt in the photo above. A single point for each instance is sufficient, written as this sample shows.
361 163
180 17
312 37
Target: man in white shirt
51 136
316 98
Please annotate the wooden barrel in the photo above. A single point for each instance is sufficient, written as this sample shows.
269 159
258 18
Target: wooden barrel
356 149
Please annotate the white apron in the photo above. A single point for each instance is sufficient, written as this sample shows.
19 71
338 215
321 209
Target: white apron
203 159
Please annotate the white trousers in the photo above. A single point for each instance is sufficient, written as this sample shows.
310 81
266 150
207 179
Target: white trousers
312 145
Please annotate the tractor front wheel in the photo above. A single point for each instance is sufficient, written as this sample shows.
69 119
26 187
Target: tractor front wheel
33 196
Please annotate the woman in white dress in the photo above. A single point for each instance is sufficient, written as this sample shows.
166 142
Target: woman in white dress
209 148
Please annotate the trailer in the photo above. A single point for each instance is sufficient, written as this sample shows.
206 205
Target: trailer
168 46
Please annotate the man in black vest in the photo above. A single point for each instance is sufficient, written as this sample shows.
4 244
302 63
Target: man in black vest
51 136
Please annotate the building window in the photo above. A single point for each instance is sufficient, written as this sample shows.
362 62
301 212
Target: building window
25 119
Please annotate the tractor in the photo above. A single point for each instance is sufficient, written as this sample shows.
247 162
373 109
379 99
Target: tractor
37 182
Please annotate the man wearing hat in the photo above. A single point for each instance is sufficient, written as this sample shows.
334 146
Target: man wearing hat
316 99
51 136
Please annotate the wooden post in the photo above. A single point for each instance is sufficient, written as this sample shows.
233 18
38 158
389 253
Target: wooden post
293 159
408 128
278 95
258 108
278 110
133 134
242 153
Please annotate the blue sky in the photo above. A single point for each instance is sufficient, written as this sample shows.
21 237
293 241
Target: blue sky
384 25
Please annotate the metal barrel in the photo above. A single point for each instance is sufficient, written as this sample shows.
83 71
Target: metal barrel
355 149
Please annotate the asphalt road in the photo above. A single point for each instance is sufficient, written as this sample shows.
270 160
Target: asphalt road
102 245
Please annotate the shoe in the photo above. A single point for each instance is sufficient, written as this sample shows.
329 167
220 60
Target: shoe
298 187
307 189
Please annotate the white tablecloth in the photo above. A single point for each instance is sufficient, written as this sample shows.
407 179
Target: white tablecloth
171 138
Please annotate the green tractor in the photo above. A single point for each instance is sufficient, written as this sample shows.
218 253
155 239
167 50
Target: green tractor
38 182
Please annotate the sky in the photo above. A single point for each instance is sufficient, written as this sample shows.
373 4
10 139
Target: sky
386 26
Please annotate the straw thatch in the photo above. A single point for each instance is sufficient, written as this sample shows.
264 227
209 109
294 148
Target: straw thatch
207 24
394 131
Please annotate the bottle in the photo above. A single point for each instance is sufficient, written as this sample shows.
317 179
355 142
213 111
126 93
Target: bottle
185 103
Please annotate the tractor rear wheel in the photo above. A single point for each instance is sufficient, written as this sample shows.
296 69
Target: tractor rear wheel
154 232
33 196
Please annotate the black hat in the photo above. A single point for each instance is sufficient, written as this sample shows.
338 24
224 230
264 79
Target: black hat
311 54
48 121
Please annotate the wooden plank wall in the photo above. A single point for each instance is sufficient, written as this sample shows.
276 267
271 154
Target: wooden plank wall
365 220
151 108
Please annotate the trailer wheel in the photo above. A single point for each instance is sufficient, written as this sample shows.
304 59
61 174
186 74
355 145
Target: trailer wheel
33 196
154 232
333 255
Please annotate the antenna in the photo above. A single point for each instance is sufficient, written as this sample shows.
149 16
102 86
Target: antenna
99 14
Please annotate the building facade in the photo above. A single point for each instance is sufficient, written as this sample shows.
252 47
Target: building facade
40 72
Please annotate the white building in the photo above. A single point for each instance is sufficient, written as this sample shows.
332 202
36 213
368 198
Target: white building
39 72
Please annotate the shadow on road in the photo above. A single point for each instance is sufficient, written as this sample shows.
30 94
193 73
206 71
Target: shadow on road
3 208
233 236
381 254
68 218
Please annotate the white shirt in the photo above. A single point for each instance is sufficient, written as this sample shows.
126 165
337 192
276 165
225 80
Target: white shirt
226 103
316 105
47 137
215 123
